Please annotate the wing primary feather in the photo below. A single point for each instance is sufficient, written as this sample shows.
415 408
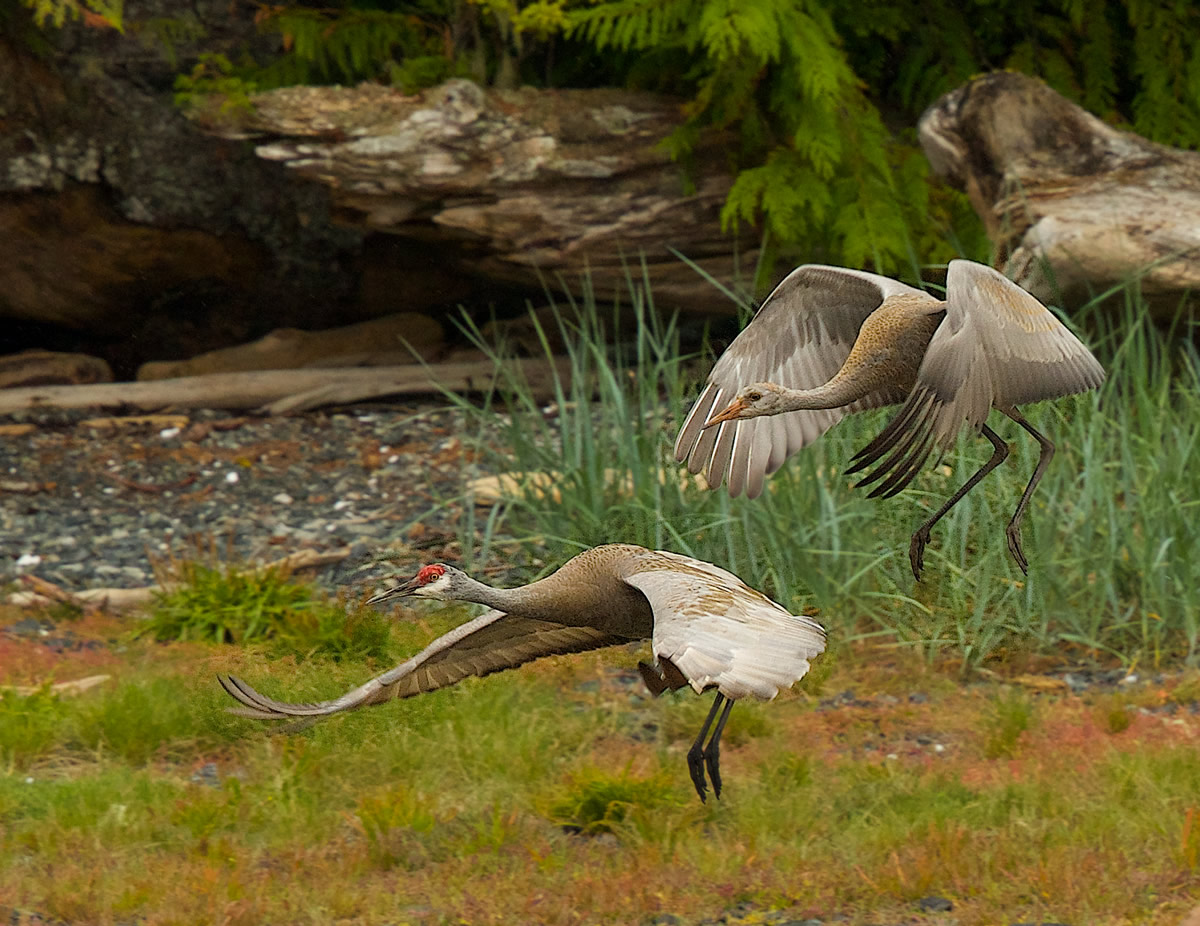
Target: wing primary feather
886 438
900 479
903 443
690 435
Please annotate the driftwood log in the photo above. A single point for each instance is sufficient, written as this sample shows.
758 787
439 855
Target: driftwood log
1072 205
530 187
288 391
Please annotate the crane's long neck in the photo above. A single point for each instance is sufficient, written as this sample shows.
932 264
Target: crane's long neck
536 600
886 354
841 390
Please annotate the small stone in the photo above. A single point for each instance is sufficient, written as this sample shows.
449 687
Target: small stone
918 697
282 498
232 477
27 560
935 904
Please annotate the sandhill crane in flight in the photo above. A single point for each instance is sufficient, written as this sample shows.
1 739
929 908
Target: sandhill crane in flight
829 341
708 630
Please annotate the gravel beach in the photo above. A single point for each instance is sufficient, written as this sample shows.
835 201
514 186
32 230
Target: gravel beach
85 503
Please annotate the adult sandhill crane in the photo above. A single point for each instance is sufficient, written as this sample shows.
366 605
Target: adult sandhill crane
829 341
708 630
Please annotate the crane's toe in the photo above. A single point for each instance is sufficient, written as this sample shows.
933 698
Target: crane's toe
916 551
695 760
712 759
1013 532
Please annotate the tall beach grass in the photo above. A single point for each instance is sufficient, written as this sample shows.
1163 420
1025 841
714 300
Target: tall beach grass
1111 533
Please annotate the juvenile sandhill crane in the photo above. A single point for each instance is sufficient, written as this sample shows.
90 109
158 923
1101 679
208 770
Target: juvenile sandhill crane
708 630
829 341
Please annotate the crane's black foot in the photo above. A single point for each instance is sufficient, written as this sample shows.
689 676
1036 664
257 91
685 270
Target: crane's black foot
1013 532
695 760
916 551
712 759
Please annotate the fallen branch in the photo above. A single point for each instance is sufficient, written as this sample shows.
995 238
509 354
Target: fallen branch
283 391
74 687
41 593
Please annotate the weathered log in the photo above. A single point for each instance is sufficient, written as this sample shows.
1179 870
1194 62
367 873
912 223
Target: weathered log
388 341
1072 205
527 186
283 391
51 368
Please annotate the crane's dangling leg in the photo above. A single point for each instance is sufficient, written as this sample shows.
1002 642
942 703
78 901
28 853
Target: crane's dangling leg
695 756
920 537
712 752
1013 531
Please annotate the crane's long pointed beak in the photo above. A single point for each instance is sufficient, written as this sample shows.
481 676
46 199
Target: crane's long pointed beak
406 588
733 410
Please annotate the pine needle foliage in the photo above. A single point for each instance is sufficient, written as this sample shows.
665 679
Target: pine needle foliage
104 14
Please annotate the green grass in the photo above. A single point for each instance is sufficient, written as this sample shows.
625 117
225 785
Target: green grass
1113 533
480 803
539 796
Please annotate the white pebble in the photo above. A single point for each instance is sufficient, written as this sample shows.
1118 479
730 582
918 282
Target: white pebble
938 747
168 433
1129 680
340 505
892 755
232 477
28 559
393 458
282 498
29 781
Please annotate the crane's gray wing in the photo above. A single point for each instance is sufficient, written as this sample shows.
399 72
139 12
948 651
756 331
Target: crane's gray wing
490 643
996 346
800 338
723 634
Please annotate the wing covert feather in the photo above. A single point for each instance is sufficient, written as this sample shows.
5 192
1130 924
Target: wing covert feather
998 346
722 634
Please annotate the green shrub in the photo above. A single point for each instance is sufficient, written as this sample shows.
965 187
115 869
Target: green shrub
596 801
222 603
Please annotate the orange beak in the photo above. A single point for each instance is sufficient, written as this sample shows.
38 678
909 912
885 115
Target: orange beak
732 411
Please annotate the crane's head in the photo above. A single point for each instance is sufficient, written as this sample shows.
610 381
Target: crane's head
752 401
436 580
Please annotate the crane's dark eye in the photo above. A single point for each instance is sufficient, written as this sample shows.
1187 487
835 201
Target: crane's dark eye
754 396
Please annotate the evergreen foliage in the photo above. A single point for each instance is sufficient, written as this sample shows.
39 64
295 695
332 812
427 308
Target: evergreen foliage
100 13
799 86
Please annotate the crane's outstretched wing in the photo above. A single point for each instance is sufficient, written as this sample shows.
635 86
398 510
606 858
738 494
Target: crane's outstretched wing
997 346
719 632
800 337
490 643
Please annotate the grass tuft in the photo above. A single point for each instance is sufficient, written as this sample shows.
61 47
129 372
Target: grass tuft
225 603
1011 715
596 801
